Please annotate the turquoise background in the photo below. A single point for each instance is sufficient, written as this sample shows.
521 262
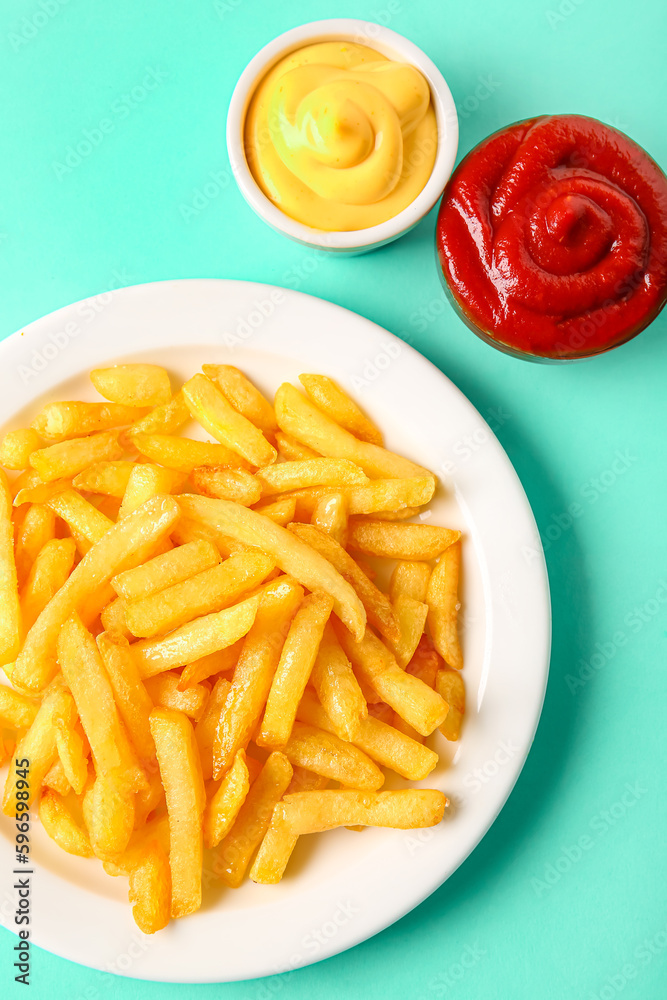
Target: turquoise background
600 928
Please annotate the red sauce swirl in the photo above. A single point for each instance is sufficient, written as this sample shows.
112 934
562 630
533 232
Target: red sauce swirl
552 237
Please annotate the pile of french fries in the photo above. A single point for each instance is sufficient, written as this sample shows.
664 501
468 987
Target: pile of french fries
198 653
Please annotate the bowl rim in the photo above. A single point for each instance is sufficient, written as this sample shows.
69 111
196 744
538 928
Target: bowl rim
387 42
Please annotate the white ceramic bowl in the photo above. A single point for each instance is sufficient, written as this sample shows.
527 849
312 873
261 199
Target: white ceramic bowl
390 44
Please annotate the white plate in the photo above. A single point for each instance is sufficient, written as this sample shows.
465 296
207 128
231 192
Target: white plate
342 887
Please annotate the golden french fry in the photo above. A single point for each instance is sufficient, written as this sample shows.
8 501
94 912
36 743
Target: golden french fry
108 811
38 748
389 499
226 802
291 554
113 620
281 511
10 609
147 481
57 780
378 608
212 590
254 671
132 699
181 774
297 416
235 851
83 519
330 515
17 711
155 830
337 687
68 458
150 890
335 402
36 529
410 579
326 754
400 541
196 639
216 415
227 484
244 396
205 729
291 449
88 681
450 686
335 472
166 570
414 701
133 385
60 825
425 662
184 454
168 418
108 478
17 446
24 481
71 751
123 547
151 799
443 606
221 662
40 493
411 618
164 693
61 421
293 670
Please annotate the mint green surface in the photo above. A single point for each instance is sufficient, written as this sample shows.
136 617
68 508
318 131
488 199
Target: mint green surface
519 920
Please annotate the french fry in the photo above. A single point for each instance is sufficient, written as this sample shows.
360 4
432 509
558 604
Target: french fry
337 687
151 799
411 618
155 830
294 668
212 590
36 529
194 640
17 446
414 701
10 609
281 511
254 671
410 579
147 481
400 541
181 774
297 416
108 811
38 747
443 606
108 478
60 825
336 403
326 754
131 697
378 608
221 662
24 481
168 418
425 662
57 780
38 492
227 484
62 421
392 499
184 454
17 711
224 806
84 520
133 385
285 476
109 506
208 723
291 449
150 890
234 852
88 681
123 547
71 752
330 515
113 620
217 416
68 458
291 554
244 396
450 686
164 693
166 570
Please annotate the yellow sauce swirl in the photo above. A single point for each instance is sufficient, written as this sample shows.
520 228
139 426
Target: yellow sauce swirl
339 137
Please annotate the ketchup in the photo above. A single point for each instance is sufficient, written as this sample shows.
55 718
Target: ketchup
552 237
